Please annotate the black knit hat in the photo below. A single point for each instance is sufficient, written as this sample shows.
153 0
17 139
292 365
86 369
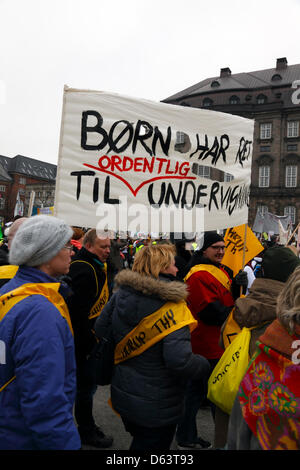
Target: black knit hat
279 263
210 238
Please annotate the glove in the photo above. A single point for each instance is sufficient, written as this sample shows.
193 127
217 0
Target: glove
241 279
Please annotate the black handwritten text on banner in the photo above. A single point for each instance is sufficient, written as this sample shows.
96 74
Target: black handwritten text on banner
121 156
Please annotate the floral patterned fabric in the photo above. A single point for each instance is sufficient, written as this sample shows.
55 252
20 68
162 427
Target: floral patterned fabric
270 399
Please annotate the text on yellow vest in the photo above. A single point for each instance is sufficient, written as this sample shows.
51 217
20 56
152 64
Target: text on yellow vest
170 317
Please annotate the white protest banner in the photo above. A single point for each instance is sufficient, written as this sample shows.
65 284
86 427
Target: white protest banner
129 164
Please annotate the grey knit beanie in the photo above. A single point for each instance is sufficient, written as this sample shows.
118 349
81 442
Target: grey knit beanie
38 240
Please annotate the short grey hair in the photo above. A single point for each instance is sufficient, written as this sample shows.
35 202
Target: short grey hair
92 234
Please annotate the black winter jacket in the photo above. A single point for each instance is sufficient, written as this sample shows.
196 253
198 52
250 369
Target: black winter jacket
148 389
86 290
3 255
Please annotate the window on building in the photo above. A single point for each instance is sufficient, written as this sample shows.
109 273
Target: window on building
228 177
264 177
179 138
266 130
2 188
204 171
291 176
292 147
207 102
276 77
265 148
215 84
262 210
234 100
261 99
293 129
22 180
2 203
291 211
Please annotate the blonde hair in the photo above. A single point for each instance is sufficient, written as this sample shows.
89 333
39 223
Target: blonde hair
153 259
288 302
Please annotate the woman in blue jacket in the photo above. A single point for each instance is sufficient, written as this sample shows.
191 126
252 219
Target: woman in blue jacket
37 362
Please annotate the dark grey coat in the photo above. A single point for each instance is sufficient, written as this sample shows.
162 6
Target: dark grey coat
148 389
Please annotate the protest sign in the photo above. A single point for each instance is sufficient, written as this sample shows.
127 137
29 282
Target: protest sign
269 223
240 249
130 164
45 210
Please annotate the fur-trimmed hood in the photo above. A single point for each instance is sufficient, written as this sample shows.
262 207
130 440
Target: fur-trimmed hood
173 291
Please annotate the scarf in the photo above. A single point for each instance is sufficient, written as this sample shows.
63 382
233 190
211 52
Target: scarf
269 393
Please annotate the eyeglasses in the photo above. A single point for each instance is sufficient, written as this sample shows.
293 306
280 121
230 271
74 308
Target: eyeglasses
68 247
219 248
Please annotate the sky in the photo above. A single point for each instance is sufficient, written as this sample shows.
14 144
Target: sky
144 49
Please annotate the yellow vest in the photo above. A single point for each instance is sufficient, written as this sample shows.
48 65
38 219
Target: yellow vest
170 317
214 271
8 271
48 290
138 248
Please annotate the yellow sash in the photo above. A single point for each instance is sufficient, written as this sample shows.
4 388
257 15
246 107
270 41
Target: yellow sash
7 383
100 302
48 290
103 298
214 271
231 330
170 317
8 271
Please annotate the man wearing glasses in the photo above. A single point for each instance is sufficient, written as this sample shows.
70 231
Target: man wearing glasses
211 298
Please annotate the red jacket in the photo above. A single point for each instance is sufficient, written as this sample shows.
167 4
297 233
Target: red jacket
210 301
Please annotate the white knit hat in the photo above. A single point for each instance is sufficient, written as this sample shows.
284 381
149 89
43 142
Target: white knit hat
38 240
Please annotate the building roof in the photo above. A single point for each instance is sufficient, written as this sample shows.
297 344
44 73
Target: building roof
4 176
28 167
279 76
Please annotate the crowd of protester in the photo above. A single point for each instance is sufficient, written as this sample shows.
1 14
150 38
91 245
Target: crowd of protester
168 302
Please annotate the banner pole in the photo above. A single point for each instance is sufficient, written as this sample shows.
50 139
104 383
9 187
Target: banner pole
244 248
244 254
292 234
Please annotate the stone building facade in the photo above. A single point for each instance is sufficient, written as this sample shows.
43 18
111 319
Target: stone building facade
272 98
